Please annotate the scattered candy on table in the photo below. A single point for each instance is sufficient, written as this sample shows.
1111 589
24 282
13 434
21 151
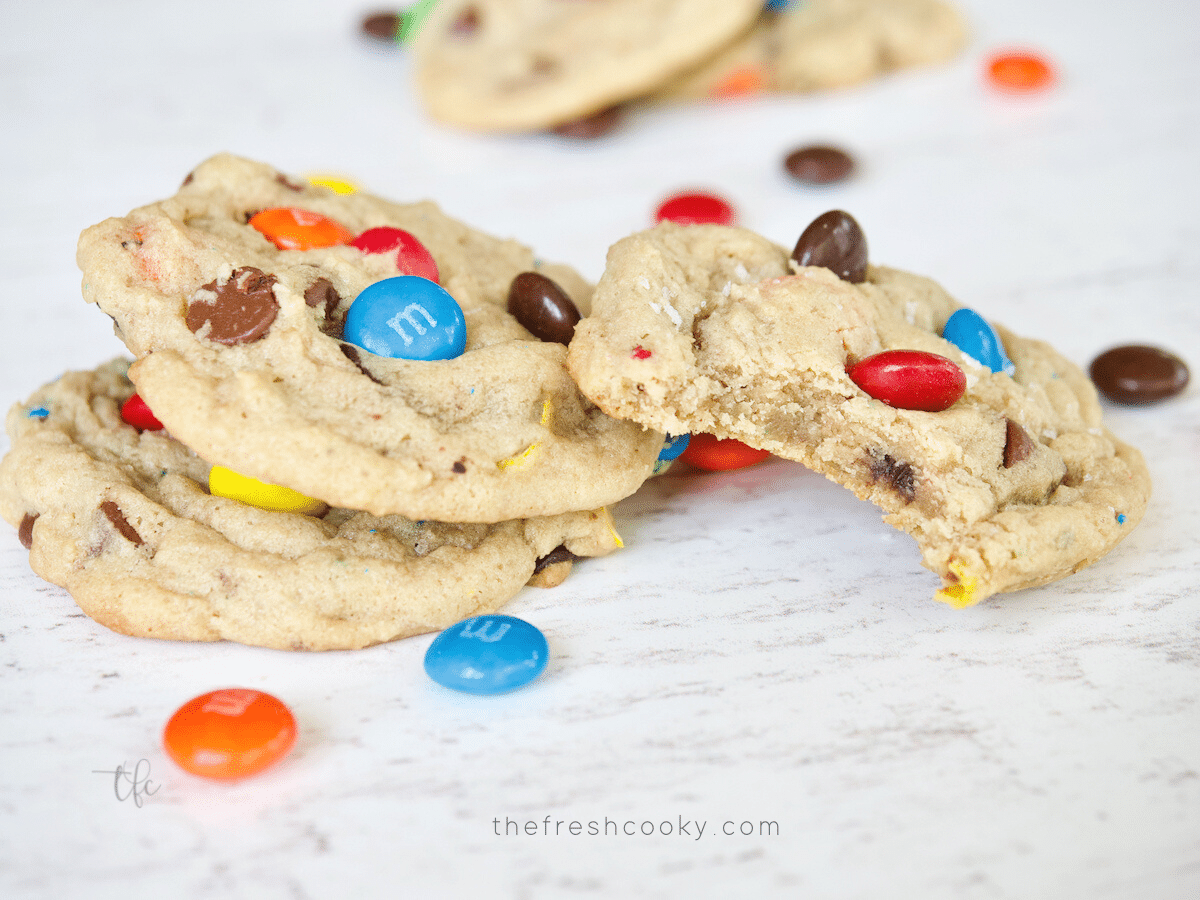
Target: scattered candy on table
743 82
910 379
412 257
819 164
136 413
229 734
720 455
223 482
834 241
542 307
1021 72
695 209
1137 374
290 228
487 655
414 17
974 336
383 26
407 317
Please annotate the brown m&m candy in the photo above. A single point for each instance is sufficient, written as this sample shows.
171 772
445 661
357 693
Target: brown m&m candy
836 242
542 308
1137 374
819 164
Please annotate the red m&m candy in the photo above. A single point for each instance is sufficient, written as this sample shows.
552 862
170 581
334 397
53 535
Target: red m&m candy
289 228
135 412
910 379
411 256
695 209
230 733
716 455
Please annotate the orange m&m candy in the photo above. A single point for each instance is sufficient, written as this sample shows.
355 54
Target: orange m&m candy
230 733
707 452
1019 71
289 228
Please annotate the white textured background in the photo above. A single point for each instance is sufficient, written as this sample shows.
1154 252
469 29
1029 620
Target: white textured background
764 649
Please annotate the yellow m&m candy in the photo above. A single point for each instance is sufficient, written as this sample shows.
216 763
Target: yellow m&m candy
225 482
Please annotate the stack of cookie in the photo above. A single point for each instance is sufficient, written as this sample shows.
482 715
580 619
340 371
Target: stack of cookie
305 492
526 65
282 478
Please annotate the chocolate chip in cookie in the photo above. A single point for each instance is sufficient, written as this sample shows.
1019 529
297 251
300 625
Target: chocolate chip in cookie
241 310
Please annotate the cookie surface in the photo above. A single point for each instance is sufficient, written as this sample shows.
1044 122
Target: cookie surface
520 65
122 520
241 355
713 329
821 44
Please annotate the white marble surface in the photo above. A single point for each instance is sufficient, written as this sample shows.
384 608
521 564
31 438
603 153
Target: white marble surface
764 650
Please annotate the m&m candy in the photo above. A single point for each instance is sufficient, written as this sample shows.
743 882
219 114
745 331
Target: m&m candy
674 446
716 455
231 733
695 209
289 228
974 336
411 256
487 655
136 413
910 379
1020 72
223 482
407 317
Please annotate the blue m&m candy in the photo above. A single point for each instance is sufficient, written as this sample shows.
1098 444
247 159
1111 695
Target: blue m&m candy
487 655
673 447
407 317
971 333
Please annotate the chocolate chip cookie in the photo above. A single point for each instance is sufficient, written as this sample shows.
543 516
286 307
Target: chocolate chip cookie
822 44
1014 482
237 296
120 517
526 65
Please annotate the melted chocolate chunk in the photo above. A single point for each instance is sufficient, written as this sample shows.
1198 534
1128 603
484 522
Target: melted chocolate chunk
899 474
558 555
542 308
1018 445
25 532
242 311
459 467
819 165
188 179
351 353
836 242
1137 374
119 522
321 294
591 127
